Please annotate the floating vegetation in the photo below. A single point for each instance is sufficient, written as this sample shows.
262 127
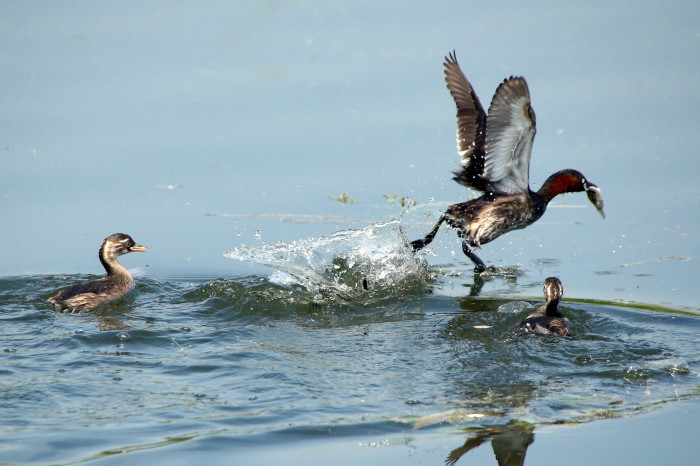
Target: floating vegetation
293 218
343 198
403 201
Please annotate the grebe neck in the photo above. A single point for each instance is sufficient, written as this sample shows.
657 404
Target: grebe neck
108 258
564 181
552 308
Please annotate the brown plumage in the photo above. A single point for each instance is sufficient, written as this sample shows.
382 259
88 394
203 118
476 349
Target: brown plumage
495 151
547 319
83 297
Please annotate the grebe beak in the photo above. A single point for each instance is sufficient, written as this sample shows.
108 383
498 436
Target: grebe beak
596 197
138 248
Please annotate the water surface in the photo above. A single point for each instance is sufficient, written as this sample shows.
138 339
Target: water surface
255 356
238 128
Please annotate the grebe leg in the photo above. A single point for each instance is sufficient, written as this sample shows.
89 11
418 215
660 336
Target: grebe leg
478 263
421 243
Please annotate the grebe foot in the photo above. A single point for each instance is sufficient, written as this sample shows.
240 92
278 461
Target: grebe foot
419 244
479 266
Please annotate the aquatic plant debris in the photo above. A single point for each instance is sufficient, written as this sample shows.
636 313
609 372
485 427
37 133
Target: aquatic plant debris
294 218
403 201
343 198
369 263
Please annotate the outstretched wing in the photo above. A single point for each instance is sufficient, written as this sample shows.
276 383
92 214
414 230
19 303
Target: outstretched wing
471 126
510 131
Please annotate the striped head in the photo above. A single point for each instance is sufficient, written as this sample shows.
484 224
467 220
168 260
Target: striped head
553 289
118 244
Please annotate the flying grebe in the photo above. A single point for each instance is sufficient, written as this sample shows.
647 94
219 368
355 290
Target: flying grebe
495 152
118 282
547 318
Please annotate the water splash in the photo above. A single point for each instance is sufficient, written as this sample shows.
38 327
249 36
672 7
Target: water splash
371 263
515 307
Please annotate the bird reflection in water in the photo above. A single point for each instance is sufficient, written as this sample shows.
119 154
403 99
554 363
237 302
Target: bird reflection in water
509 442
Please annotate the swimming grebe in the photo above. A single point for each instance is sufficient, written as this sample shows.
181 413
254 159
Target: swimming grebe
547 318
118 282
495 152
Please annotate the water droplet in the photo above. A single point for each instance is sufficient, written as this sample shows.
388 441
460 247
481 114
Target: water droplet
123 336
677 366
632 368
671 366
635 371
515 307
583 360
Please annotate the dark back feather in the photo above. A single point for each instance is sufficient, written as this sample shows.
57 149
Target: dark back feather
471 126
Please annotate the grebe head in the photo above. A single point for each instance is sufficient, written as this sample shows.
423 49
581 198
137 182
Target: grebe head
571 181
118 244
553 289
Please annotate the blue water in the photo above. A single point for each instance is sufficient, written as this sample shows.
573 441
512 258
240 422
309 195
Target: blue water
227 127
247 361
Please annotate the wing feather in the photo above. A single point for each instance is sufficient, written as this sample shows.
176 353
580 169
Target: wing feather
510 132
471 126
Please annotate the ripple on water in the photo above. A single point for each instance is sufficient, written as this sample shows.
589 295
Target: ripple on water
247 355
614 363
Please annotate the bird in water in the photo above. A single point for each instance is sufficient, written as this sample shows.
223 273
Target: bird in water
547 318
83 297
495 151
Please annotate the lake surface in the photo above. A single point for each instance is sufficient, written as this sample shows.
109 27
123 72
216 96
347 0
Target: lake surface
276 158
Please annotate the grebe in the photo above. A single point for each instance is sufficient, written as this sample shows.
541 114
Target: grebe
118 282
547 318
495 152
